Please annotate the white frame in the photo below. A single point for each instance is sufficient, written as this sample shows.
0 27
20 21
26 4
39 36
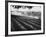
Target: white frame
23 32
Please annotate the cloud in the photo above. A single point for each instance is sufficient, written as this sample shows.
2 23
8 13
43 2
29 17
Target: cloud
36 9
33 9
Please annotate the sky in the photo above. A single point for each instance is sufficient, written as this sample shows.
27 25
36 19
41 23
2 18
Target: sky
34 8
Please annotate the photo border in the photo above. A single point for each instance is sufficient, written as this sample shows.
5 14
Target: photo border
6 18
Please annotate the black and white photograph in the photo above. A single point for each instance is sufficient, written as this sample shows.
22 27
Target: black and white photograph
25 18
